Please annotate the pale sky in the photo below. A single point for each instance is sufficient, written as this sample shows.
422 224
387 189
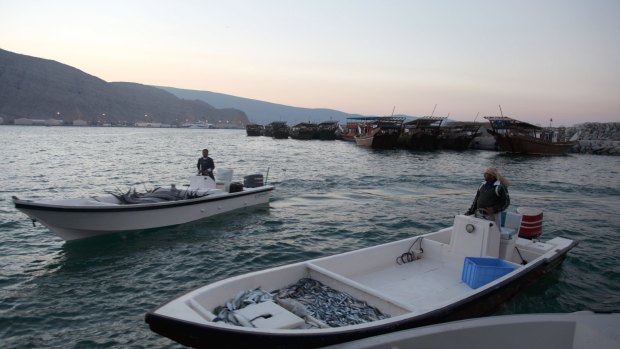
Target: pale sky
538 59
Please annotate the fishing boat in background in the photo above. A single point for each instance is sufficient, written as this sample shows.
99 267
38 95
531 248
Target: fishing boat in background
81 218
458 135
303 130
516 136
326 130
268 130
467 270
199 124
354 126
279 130
254 129
381 133
421 134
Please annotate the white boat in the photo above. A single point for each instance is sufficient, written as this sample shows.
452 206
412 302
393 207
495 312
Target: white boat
197 125
467 270
579 330
80 218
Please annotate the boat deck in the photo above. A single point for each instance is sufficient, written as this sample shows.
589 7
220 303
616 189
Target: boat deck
419 285
416 286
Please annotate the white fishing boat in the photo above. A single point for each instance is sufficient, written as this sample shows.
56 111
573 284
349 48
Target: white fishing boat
467 270
578 330
80 218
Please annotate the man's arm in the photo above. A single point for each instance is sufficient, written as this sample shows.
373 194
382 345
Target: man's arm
504 199
474 204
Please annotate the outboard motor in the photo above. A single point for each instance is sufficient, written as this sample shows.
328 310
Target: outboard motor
236 187
253 181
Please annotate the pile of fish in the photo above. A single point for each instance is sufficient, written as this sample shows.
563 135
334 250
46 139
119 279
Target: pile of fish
333 307
155 195
318 304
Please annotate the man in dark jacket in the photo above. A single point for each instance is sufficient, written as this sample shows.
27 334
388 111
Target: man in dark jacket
492 196
205 165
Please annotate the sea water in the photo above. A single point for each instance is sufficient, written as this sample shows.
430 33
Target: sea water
330 197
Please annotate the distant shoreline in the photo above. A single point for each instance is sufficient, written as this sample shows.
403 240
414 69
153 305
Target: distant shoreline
590 137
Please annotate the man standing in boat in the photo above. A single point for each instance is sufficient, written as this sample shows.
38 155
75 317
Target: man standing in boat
205 165
492 196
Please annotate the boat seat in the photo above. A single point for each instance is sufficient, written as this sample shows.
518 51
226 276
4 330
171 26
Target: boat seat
510 224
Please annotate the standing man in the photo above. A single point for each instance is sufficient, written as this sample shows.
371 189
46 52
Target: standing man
205 165
492 196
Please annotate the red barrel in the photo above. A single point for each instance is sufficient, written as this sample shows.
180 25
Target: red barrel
531 222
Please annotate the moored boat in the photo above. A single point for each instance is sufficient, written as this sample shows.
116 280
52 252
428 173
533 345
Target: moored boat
279 130
382 133
303 130
421 133
326 130
81 218
268 130
514 136
254 129
354 126
458 135
467 270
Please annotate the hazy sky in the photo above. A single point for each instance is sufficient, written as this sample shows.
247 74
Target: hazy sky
538 59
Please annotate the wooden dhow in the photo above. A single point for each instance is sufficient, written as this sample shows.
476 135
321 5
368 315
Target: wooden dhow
458 135
381 133
421 134
279 130
326 130
514 136
303 130
254 129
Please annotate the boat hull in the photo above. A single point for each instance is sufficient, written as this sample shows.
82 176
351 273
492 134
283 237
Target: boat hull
254 132
441 297
81 222
419 141
377 141
525 145
457 143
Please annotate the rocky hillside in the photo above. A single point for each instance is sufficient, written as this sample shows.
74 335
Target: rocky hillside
595 138
37 88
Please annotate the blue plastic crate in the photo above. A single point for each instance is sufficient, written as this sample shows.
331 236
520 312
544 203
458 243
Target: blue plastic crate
480 271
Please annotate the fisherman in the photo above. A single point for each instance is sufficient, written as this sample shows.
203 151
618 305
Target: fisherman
492 196
205 165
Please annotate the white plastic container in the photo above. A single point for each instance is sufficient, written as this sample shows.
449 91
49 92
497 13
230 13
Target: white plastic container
223 177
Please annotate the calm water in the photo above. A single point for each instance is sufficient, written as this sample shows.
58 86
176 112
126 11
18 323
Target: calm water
330 197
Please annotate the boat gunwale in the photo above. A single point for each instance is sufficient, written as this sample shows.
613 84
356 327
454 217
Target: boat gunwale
34 205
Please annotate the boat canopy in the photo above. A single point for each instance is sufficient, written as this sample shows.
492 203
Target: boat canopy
504 122
426 121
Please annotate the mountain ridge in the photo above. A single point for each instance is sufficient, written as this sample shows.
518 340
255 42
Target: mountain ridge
262 112
32 87
40 88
